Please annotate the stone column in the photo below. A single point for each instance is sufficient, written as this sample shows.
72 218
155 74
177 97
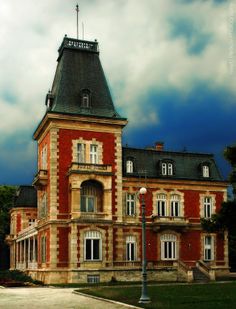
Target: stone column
73 247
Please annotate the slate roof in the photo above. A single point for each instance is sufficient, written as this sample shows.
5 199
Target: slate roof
26 196
187 166
79 68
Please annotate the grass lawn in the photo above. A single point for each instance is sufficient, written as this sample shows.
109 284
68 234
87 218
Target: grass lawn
199 296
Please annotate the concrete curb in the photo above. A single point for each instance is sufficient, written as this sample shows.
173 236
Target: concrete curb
107 300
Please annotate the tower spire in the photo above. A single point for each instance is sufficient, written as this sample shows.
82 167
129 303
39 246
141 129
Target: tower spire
77 20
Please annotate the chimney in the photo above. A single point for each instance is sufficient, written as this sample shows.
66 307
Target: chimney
159 146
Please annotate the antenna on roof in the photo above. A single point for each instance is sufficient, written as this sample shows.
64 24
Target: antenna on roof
83 31
77 20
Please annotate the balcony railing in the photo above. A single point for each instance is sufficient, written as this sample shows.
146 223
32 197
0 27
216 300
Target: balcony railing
86 168
92 215
41 178
159 221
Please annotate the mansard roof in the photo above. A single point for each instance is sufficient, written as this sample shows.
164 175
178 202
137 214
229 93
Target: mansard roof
79 71
186 165
26 196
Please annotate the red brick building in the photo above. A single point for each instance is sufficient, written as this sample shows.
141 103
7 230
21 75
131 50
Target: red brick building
86 223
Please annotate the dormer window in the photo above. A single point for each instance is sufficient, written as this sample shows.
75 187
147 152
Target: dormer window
129 166
205 171
85 98
167 168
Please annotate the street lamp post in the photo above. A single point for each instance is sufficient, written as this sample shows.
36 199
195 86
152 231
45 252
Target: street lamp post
144 297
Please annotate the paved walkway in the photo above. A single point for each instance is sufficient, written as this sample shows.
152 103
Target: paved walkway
48 298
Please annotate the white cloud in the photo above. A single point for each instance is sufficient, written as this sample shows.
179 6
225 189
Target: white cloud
137 51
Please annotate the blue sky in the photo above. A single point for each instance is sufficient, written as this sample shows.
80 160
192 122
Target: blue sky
170 65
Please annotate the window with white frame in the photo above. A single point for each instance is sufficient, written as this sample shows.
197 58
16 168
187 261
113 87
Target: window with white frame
92 246
161 205
85 100
167 169
44 158
80 153
131 248
164 168
207 207
130 204
175 205
94 154
208 248
168 247
170 169
129 166
205 171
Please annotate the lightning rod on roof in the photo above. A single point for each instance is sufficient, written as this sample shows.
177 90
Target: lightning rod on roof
83 31
77 20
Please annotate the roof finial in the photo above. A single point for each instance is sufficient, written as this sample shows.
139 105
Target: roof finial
77 15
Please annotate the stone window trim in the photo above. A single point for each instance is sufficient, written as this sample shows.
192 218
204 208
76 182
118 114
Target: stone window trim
96 245
169 246
87 146
169 198
208 247
131 248
204 202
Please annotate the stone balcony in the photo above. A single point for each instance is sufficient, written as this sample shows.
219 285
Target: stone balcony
88 168
177 223
41 178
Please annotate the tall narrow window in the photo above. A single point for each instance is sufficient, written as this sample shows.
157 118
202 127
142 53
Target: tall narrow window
168 247
129 166
93 246
130 204
130 248
207 207
208 248
205 171
43 206
43 249
85 98
170 169
164 168
94 154
161 205
81 153
175 205
44 158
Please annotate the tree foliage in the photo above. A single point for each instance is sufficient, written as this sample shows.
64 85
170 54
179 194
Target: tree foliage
6 202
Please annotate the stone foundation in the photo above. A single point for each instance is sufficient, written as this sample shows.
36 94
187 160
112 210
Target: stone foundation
107 275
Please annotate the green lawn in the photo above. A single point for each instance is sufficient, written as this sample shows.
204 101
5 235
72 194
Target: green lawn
199 296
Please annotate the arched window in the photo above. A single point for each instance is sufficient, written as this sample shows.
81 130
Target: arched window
164 168
175 205
168 247
92 246
91 196
129 166
161 205
131 248
85 98
167 168
205 171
